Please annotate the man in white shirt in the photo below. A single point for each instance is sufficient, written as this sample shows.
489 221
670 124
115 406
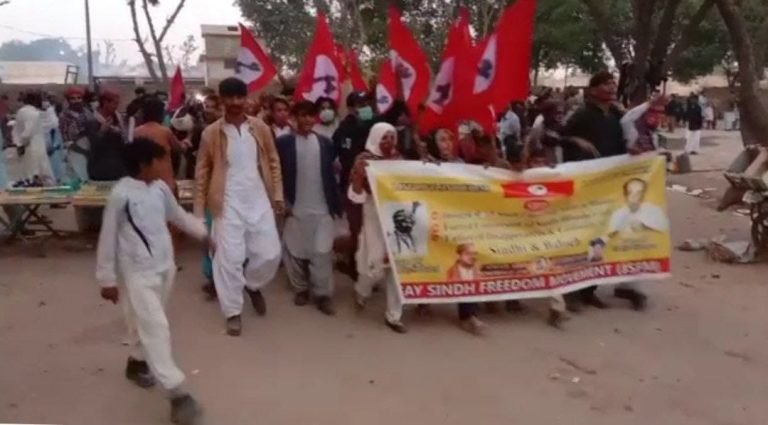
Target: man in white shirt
29 136
238 180
135 248
306 162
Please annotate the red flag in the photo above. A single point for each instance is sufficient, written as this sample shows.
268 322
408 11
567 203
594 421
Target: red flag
355 76
323 70
176 91
505 56
408 61
253 66
443 102
386 88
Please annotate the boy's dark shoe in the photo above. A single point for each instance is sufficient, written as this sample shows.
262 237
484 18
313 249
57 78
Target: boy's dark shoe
138 372
234 326
185 410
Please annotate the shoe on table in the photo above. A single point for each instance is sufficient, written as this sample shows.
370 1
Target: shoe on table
137 371
234 326
185 410
396 326
301 298
257 301
474 326
325 305
637 298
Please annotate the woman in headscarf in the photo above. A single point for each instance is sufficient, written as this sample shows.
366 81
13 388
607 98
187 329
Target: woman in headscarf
371 256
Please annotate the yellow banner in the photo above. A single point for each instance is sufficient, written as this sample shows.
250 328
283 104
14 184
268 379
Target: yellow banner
458 232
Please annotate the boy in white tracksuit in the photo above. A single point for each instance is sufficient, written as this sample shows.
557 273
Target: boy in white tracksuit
135 248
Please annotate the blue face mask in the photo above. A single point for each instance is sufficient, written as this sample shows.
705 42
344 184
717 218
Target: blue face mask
365 113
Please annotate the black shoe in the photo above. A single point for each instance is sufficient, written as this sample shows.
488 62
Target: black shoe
556 318
138 372
572 302
185 410
638 299
398 326
325 305
257 301
514 306
301 298
234 326
591 299
210 290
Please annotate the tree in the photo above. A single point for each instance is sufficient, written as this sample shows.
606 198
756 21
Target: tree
155 38
648 35
750 56
4 2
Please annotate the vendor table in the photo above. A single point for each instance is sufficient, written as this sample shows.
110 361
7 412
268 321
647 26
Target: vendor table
95 194
29 219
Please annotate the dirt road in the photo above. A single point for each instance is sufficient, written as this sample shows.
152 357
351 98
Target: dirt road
697 356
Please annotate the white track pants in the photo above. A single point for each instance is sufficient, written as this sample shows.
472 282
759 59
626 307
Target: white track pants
692 141
236 242
364 287
144 308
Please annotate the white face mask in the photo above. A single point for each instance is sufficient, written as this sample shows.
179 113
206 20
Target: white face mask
327 115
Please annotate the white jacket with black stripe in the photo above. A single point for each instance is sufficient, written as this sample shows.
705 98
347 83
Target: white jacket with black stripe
134 230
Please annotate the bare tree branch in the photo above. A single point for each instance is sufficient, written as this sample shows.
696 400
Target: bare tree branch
155 41
643 11
4 2
607 30
137 37
170 20
689 32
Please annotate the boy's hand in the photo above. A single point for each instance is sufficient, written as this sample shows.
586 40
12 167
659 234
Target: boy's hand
110 294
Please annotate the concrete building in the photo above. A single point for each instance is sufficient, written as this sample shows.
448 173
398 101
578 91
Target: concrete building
222 43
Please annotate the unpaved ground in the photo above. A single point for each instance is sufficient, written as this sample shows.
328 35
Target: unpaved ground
697 356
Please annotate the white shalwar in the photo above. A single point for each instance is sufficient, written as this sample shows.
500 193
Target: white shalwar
246 229
370 256
29 132
692 141
135 248
309 230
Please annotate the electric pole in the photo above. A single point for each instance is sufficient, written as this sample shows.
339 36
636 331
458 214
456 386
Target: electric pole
88 43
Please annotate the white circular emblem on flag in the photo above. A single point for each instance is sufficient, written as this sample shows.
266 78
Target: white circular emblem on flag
405 72
442 89
247 68
486 68
325 80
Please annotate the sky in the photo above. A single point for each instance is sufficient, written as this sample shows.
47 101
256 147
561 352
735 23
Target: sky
110 19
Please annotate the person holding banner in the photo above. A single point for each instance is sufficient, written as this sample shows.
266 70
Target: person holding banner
371 256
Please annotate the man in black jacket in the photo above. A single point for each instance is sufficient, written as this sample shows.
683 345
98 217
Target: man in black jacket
695 118
349 140
312 198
